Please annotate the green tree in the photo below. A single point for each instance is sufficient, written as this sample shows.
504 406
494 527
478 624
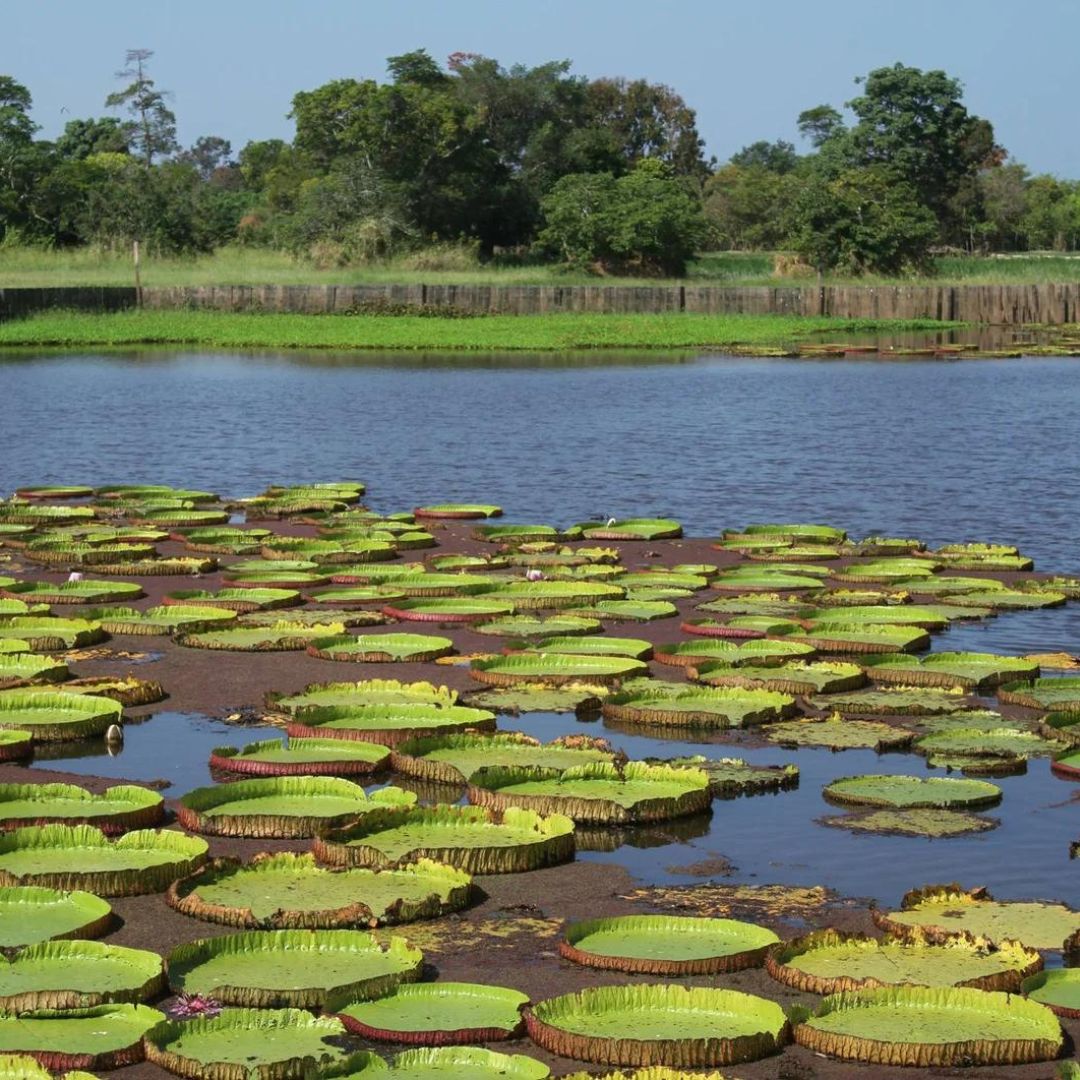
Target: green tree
645 222
864 220
153 124
820 124
746 207
774 157
96 135
22 161
209 154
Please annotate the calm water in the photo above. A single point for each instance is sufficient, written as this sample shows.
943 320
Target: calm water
943 450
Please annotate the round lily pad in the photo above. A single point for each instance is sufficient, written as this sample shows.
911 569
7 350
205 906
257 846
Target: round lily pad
741 627
692 706
1067 765
838 733
82 857
979 742
381 648
290 891
125 689
282 636
600 792
387 724
900 701
452 759
459 511
730 777
942 912
302 757
364 692
437 1014
291 968
930 822
638 609
763 579
665 1025
25 669
580 698
447 609
281 806
911 792
552 595
86 591
928 1027
30 913
51 716
46 633
828 962
692 653
667 944
972 671
1059 695
357 596
795 677
257 1044
1058 990
472 838
15 745
631 529
102 1037
874 638
530 626
238 600
555 669
116 809
600 645
465 1061
78 975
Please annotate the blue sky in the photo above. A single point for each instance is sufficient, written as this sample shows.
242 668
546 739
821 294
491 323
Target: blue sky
747 68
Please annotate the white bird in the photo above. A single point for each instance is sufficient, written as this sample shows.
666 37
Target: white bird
74 576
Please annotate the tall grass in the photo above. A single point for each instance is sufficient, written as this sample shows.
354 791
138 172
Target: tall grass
35 267
494 333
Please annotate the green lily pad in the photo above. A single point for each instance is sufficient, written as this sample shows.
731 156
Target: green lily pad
281 806
800 532
741 626
52 716
972 671
601 645
660 1024
600 792
82 857
762 579
24 669
530 626
238 600
458 510
912 792
166 619
381 648
302 757
552 595
667 944
840 637
729 777
86 591
932 1027
472 838
50 634
464 1061
944 911
887 571
1059 695
554 669
932 823
30 914
699 707
703 650
829 962
900 701
116 809
291 968
837 733
291 891
102 1037
794 677
282 636
387 724
1058 990
257 1044
437 1014
636 610
974 742
581 698
631 529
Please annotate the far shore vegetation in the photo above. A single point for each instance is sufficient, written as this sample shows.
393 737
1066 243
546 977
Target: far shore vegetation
564 332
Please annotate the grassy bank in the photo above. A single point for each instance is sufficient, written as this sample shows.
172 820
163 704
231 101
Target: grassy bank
533 333
34 267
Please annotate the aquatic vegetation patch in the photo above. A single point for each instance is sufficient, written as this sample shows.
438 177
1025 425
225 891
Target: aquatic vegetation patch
701 651
555 669
381 648
580 698
691 706
1057 695
387 724
729 777
52 716
282 636
971 671
1058 990
793 677
30 914
302 757
531 627
116 809
912 792
928 822
837 733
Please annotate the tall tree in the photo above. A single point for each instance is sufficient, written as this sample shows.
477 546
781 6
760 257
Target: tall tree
96 135
153 123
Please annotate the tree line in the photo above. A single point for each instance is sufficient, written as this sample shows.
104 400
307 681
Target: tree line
524 162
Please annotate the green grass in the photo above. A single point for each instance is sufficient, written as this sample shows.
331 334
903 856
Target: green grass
35 267
495 333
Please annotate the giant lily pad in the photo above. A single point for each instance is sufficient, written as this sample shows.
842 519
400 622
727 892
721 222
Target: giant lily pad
49 634
840 637
282 636
837 733
290 891
459 511
704 650
638 609
86 591
887 571
794 677
302 757
829 962
365 692
25 669
667 944
291 968
978 742
741 626
927 822
945 911
175 567
15 745
257 1044
282 806
452 759
972 671
116 809
238 600
387 724
464 1061
1059 695
543 595
658 1025
912 792
699 707
381 648
932 1027
82 857
437 1014
448 609
1058 990
166 619
886 614
631 529
790 533
581 698
102 1037
125 689
601 645
29 914
531 627
57 717
555 669
600 792
763 579
472 838
78 975
901 701
729 777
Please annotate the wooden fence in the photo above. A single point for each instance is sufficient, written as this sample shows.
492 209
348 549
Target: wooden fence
1010 305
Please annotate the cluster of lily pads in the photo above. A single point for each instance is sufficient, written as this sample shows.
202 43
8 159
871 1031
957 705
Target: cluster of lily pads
797 633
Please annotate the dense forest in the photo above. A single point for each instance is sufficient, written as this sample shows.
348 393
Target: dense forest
532 163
